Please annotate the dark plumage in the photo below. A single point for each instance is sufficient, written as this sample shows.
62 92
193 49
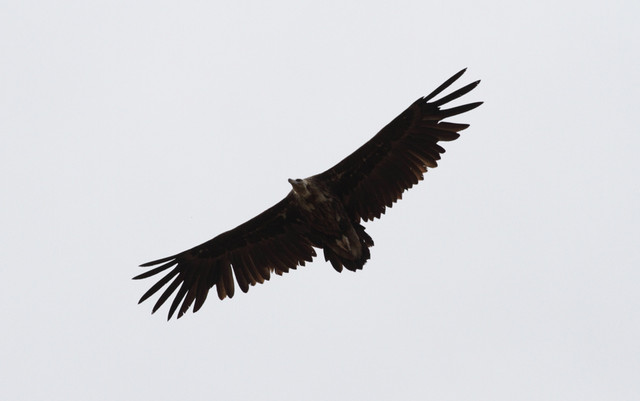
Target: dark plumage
323 211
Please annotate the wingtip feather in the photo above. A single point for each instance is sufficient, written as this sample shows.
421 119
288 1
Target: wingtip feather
444 85
157 262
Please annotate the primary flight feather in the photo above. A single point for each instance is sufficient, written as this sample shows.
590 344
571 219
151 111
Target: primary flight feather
323 211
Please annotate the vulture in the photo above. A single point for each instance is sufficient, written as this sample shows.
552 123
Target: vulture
324 211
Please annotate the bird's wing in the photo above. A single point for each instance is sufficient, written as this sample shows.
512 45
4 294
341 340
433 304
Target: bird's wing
374 176
271 241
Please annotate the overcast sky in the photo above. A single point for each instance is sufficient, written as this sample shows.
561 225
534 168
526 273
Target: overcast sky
131 131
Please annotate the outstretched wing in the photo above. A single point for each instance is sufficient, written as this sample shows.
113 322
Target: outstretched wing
374 176
271 241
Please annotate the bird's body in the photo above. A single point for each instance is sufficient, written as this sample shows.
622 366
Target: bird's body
324 211
327 225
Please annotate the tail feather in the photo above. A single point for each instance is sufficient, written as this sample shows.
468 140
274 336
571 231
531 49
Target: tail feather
339 262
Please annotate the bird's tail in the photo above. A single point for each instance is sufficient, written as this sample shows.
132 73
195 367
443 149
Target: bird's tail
338 262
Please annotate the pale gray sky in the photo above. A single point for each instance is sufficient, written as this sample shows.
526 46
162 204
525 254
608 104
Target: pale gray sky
131 131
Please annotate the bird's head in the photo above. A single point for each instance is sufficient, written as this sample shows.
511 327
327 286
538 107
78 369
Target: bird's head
300 186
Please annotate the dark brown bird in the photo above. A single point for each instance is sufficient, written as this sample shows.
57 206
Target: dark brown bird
324 211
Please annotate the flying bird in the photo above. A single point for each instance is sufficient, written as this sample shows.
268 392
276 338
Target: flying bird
324 211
